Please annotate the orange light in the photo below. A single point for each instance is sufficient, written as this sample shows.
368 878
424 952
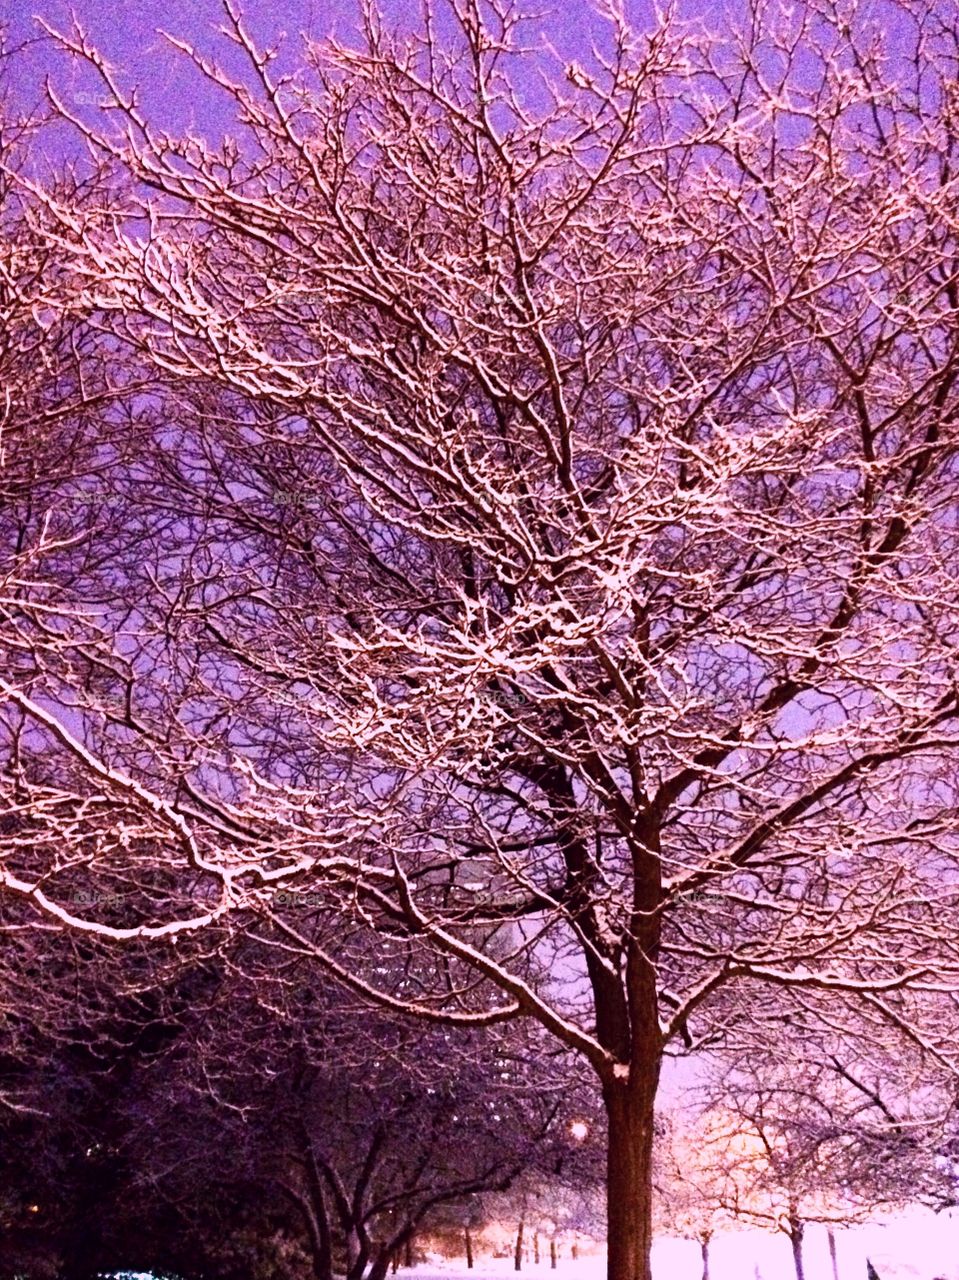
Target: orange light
579 1130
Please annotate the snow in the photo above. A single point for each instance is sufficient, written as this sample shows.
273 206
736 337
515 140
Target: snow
915 1246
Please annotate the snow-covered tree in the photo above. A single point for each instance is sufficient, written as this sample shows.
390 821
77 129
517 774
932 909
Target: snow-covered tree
811 1127
368 1125
546 520
691 1182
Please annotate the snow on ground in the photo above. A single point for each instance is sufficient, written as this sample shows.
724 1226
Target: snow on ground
916 1246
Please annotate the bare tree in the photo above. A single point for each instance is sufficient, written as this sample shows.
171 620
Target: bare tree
362 1125
76 836
815 1129
690 1184
550 560
346 1131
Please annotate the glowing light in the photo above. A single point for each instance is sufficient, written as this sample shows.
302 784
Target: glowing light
579 1130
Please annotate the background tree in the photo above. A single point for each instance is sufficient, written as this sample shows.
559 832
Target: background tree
370 1126
346 1131
691 1196
817 1128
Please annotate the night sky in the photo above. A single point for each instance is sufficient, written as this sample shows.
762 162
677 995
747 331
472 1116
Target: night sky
128 33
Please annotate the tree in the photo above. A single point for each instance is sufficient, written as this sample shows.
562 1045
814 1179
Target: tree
72 1150
368 1134
818 1128
768 1172
550 549
690 1183
868 1120
341 1143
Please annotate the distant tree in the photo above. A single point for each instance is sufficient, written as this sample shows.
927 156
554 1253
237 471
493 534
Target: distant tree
879 1114
817 1128
690 1183
369 1126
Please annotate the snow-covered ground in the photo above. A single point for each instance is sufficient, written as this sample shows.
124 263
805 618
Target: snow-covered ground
917 1246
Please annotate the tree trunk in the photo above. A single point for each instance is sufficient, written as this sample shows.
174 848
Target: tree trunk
796 1231
321 1238
629 1169
704 1252
552 1255
574 1251
518 1253
469 1248
321 1245
312 1209
628 1027
399 1247
381 1263
831 1239
358 1254
536 1247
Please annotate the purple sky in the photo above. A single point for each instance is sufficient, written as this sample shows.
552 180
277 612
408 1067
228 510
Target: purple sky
127 32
